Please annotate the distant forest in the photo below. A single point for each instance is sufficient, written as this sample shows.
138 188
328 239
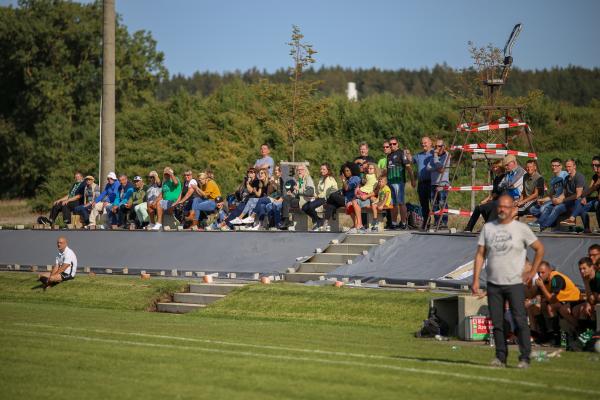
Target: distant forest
575 85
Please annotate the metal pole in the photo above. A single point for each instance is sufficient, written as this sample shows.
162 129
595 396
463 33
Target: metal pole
107 152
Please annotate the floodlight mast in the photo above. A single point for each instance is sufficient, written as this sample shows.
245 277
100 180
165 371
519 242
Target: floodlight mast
107 133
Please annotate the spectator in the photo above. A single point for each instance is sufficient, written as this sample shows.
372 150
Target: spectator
152 193
306 186
104 199
206 202
247 190
588 202
89 196
363 157
489 206
68 202
533 188
438 167
382 202
503 247
327 185
221 211
137 198
591 282
183 205
512 183
259 190
382 163
288 200
117 214
171 189
421 160
559 295
594 254
573 188
555 192
398 163
65 265
266 162
368 183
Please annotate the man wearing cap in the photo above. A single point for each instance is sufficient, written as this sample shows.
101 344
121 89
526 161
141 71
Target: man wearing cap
90 194
117 213
105 198
512 183
171 190
152 192
67 203
137 198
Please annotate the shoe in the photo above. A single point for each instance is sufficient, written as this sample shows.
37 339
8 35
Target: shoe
248 220
568 222
352 231
374 228
255 228
236 221
403 226
225 228
496 363
149 227
394 227
316 228
523 364
534 226
157 227
361 230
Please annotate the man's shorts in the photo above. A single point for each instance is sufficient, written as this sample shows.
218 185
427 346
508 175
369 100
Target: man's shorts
397 193
166 204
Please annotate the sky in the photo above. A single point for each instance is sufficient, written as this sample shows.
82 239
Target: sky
228 35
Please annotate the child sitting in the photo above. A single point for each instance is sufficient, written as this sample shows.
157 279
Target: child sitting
369 183
383 202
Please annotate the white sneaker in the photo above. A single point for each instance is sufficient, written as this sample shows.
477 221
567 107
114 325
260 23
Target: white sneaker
255 228
236 221
157 227
150 227
225 228
352 230
248 220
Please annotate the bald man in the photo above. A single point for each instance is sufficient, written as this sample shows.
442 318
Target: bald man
65 266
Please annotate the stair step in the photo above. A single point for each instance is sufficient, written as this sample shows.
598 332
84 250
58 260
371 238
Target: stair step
214 288
349 248
332 258
323 268
179 308
302 277
196 298
366 238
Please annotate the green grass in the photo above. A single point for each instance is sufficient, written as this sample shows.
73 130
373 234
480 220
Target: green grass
261 342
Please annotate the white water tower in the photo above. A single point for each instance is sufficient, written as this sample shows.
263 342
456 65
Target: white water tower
351 92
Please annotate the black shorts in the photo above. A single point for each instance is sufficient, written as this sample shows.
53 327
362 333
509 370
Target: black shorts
572 304
66 277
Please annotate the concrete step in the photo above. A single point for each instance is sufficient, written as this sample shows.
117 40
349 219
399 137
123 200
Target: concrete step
179 308
348 248
331 258
214 288
371 238
196 298
302 277
322 268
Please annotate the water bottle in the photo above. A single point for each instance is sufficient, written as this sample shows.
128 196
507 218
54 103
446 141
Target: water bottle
563 339
491 340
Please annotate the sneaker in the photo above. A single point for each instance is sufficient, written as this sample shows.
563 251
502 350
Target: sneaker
225 228
316 228
157 227
255 228
394 227
534 226
568 222
352 231
236 221
361 230
374 228
248 220
496 363
149 227
523 364
403 226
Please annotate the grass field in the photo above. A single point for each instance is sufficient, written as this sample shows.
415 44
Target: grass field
91 339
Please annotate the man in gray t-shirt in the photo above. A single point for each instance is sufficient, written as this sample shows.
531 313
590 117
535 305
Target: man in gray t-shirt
503 245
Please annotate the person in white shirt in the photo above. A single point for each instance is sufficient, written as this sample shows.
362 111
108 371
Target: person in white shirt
65 266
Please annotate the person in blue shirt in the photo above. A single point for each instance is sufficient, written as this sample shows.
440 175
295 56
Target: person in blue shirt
440 176
105 199
118 211
421 160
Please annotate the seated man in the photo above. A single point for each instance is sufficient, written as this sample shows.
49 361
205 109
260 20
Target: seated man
533 188
64 268
591 280
117 214
104 199
137 198
183 205
205 202
67 203
559 295
594 254
554 196
89 196
170 192
589 201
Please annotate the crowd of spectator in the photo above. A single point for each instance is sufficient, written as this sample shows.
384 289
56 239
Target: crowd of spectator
365 186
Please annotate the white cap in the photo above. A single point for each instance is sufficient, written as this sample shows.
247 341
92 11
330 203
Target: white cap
112 175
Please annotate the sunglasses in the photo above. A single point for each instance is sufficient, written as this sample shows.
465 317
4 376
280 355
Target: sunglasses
555 165
595 165
394 143
386 147
439 145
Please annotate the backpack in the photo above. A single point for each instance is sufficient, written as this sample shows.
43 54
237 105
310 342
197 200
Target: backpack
415 215
432 326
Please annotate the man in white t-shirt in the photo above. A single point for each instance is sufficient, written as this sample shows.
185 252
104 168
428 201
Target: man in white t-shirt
503 246
65 266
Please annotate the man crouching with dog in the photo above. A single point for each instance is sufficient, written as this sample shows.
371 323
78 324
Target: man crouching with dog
64 268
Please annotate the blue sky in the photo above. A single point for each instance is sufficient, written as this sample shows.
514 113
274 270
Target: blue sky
227 35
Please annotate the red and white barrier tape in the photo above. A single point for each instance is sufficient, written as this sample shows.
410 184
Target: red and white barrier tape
502 152
472 127
467 188
462 213
479 146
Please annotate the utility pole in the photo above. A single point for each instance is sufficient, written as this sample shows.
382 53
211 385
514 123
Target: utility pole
107 135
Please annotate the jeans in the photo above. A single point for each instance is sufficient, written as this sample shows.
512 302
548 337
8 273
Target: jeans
274 209
582 210
261 208
515 295
334 201
551 214
438 203
310 208
536 210
200 205
118 218
84 212
424 191
250 205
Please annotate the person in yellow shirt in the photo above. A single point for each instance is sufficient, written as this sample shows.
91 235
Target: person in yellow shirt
382 202
208 190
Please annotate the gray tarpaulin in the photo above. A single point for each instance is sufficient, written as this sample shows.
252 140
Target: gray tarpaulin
263 252
430 257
